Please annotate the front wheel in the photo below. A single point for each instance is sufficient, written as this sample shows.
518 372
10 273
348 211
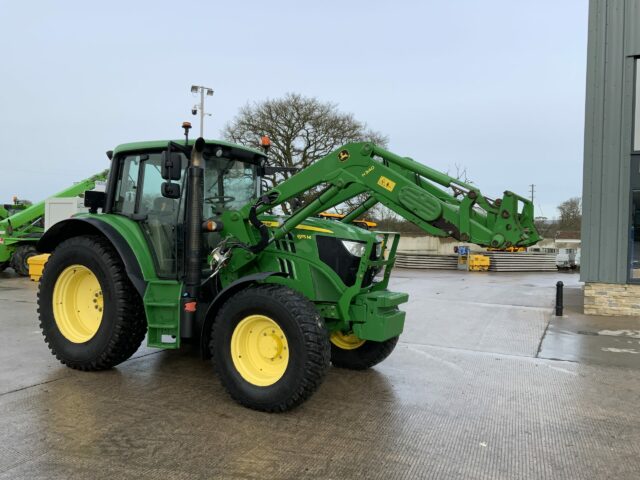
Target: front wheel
91 316
20 259
349 351
270 347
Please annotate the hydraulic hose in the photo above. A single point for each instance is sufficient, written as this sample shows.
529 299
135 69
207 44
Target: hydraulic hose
262 228
255 221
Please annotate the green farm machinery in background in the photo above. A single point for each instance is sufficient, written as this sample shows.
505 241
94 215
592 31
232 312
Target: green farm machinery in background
21 226
184 246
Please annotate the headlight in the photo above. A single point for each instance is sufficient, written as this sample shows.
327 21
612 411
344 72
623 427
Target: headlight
354 248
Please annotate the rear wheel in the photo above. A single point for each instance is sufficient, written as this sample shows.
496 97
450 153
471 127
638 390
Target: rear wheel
270 347
91 316
349 351
20 257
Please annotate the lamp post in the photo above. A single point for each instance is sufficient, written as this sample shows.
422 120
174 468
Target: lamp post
199 108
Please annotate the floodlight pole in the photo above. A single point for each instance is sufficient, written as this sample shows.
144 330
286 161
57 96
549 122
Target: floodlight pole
201 112
202 90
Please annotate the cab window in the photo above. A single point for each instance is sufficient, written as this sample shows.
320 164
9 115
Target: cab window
138 195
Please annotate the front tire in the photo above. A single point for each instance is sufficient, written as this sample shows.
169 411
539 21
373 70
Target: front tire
19 259
348 351
91 316
270 347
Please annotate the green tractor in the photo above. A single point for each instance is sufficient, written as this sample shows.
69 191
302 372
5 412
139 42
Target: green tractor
185 247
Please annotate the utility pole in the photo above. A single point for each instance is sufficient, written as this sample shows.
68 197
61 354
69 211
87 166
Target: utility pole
533 189
199 108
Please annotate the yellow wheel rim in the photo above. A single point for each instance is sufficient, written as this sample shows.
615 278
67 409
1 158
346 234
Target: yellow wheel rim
77 303
346 341
259 350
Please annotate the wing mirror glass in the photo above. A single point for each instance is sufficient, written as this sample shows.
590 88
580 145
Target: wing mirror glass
170 190
171 166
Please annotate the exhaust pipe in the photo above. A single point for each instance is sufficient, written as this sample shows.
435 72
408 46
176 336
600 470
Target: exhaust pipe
193 251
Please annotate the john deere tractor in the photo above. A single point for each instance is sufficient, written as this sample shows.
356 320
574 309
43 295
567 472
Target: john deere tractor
184 246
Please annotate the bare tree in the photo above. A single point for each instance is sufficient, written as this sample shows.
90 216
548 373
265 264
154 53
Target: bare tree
570 214
302 130
460 173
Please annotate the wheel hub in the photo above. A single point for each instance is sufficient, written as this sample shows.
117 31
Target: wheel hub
346 341
77 303
259 350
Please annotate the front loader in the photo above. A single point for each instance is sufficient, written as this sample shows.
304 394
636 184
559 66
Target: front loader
183 246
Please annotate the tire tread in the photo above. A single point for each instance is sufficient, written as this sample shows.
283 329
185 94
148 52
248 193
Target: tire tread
315 337
130 323
362 358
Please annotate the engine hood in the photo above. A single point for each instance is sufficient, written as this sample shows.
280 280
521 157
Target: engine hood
319 226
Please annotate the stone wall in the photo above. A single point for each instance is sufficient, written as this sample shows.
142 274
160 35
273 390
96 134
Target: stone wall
611 299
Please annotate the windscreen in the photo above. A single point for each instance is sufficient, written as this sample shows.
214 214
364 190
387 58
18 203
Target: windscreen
229 184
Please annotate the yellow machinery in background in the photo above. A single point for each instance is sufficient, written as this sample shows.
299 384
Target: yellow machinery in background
36 266
510 249
366 224
478 263
472 262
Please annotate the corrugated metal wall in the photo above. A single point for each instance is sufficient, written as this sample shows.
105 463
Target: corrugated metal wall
614 38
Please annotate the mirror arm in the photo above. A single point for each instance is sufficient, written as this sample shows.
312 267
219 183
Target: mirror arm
185 149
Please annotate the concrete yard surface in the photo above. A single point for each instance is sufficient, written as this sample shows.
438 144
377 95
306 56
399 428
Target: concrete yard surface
484 384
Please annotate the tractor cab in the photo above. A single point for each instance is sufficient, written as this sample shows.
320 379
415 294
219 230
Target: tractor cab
136 190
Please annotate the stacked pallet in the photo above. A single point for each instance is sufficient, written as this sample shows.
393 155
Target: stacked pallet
500 261
425 260
522 262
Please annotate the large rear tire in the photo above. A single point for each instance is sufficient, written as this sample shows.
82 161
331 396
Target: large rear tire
270 347
19 259
348 351
91 316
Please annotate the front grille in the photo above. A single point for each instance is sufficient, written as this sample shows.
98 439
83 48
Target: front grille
286 266
335 255
286 243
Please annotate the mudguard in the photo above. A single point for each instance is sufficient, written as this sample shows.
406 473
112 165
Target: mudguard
73 227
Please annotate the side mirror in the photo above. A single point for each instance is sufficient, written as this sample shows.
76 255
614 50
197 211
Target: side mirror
94 200
171 165
170 190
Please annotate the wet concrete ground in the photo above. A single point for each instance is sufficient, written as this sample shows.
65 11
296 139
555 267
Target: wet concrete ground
466 394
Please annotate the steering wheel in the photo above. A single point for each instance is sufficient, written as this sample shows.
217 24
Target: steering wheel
219 199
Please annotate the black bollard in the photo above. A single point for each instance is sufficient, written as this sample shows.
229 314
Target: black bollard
559 302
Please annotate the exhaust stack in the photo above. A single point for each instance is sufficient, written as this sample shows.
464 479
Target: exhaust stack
193 252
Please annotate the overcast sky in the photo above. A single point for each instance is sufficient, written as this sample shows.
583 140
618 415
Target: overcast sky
494 86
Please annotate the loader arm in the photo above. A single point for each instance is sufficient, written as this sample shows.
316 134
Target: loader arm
22 220
26 224
412 190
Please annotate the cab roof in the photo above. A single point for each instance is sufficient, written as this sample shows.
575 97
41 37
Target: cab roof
160 144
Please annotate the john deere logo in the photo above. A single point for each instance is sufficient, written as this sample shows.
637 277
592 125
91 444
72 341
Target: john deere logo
343 155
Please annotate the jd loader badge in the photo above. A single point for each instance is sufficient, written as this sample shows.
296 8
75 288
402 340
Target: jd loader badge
343 155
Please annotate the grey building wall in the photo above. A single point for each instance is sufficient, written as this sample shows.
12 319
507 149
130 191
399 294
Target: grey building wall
614 39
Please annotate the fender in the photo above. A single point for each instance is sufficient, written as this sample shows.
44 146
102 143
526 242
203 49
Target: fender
73 227
217 302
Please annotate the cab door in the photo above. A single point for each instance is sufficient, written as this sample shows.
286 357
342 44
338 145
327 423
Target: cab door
138 196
